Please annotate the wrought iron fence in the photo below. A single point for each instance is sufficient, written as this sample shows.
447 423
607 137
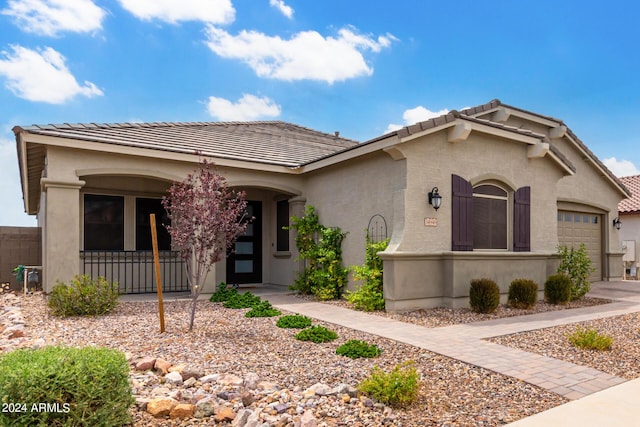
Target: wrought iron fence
135 271
377 228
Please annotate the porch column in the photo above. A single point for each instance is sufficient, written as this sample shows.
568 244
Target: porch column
60 231
296 208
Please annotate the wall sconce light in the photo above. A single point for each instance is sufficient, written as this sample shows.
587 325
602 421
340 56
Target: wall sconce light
435 199
617 223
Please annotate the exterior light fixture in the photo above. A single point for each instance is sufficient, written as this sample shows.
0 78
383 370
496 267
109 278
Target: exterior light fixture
617 223
435 199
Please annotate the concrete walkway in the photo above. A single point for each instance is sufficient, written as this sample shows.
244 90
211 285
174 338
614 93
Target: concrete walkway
596 390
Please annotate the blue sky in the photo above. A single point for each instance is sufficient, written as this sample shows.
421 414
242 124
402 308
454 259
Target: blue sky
357 67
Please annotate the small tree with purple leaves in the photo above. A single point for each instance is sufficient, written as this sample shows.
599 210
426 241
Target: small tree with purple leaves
206 219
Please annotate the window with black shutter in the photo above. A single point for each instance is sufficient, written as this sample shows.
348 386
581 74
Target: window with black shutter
522 220
462 214
480 217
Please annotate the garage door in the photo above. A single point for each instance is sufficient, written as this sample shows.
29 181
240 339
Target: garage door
580 227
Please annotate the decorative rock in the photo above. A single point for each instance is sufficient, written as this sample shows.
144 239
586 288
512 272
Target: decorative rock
182 410
230 379
281 408
251 381
209 378
162 366
16 334
241 418
224 414
318 388
160 391
247 398
145 363
173 378
191 372
308 420
178 368
189 382
253 420
205 407
267 386
161 407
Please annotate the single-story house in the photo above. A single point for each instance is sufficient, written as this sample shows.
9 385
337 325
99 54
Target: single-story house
513 184
629 214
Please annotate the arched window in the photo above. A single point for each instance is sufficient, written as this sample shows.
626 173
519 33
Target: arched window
490 217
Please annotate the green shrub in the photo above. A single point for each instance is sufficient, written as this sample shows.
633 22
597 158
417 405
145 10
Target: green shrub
576 264
82 386
396 388
223 293
83 296
590 339
246 300
294 321
523 293
320 248
369 296
484 295
557 289
316 334
263 309
356 349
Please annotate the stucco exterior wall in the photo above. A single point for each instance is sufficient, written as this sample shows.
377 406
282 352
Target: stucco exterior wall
348 194
72 173
422 271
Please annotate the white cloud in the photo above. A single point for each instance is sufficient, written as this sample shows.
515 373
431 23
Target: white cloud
249 107
42 76
307 55
282 7
415 115
171 11
12 212
621 167
51 17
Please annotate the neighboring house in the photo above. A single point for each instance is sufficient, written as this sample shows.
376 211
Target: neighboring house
629 210
514 184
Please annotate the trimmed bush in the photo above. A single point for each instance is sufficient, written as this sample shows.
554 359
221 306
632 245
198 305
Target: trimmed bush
316 334
557 289
356 349
523 293
246 300
396 388
590 339
263 309
484 296
83 296
223 293
576 264
294 321
81 386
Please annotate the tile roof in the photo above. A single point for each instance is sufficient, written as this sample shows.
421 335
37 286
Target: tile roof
271 142
632 204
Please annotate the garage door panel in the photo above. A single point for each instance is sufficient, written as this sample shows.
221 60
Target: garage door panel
575 228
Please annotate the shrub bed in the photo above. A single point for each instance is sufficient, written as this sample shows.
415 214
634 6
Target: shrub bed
81 386
398 387
484 295
590 339
263 309
83 296
523 293
356 349
316 334
294 321
557 289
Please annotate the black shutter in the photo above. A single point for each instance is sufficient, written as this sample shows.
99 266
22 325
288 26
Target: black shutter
522 220
461 214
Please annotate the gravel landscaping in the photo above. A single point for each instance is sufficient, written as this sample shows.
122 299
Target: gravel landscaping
225 344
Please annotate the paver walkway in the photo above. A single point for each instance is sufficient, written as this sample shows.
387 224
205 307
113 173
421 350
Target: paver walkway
466 342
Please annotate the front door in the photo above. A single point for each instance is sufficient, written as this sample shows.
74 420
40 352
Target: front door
244 264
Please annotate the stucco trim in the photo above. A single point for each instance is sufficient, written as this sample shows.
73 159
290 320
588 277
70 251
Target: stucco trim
147 173
269 185
566 204
492 177
56 183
